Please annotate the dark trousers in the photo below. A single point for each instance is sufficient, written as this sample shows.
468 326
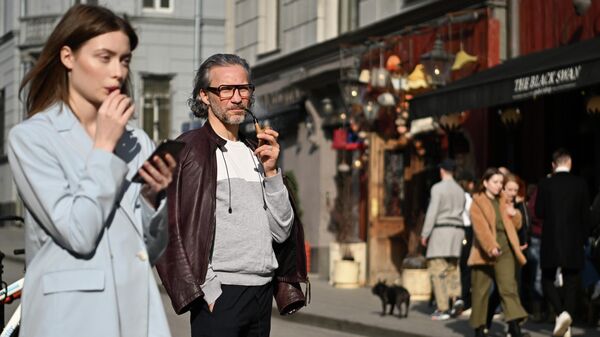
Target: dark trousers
465 270
565 297
240 311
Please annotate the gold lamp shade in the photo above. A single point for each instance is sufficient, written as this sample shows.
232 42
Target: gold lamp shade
417 78
462 58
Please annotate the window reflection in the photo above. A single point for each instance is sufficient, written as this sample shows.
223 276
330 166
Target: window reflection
393 182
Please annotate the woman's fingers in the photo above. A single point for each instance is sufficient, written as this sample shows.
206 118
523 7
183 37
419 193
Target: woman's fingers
159 173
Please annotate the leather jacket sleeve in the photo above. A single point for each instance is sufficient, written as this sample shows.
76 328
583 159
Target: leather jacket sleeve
183 266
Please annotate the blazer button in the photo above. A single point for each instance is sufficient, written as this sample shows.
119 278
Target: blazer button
142 255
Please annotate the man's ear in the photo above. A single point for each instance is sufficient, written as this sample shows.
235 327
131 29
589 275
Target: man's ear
67 57
203 97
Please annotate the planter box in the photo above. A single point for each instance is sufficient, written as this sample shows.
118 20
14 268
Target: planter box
358 251
418 284
345 274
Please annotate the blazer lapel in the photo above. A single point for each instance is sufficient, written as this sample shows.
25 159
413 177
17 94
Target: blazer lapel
68 126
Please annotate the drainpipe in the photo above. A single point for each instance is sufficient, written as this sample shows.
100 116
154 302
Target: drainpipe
513 28
197 35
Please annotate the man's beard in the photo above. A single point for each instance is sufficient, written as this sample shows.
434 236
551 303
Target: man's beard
228 119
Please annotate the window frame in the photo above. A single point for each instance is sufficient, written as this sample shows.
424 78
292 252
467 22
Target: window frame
157 9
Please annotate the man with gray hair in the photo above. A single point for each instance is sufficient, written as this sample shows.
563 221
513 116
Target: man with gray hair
443 233
230 214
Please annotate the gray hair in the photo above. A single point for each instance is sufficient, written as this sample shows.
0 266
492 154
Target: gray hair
202 79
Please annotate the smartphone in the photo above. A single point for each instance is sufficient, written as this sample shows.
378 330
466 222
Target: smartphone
172 147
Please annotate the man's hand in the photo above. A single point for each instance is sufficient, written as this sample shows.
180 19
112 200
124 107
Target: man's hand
424 242
268 153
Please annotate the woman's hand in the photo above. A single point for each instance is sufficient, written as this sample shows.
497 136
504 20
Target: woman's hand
112 117
495 252
510 210
157 177
269 151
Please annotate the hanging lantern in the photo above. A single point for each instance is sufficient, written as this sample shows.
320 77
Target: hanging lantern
450 122
417 78
437 63
386 99
510 116
593 106
371 110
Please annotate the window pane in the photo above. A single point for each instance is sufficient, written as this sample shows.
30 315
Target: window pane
393 195
157 108
165 3
148 3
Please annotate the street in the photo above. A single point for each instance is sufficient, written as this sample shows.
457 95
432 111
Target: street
332 312
13 270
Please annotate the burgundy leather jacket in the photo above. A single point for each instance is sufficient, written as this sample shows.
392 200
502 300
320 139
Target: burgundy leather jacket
191 199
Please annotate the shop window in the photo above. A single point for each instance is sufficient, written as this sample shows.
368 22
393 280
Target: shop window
393 182
158 5
156 114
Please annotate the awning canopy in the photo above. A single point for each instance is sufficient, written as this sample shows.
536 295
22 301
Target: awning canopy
542 73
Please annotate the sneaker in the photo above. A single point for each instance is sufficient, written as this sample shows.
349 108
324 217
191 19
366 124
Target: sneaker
440 316
568 333
563 322
457 308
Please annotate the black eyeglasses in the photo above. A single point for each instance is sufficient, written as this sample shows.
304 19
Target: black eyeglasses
226 91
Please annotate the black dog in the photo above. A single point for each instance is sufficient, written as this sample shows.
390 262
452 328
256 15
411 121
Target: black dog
394 296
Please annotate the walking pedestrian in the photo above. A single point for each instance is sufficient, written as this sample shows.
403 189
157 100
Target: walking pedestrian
467 182
91 234
563 205
442 234
495 252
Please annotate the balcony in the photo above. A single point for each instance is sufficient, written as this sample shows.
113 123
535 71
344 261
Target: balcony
35 30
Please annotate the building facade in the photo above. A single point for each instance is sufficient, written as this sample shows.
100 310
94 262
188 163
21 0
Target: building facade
301 53
162 68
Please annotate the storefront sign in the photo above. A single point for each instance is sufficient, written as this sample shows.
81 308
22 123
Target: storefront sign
546 82
281 98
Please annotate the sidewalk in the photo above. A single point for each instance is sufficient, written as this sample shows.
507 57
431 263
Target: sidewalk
357 311
354 311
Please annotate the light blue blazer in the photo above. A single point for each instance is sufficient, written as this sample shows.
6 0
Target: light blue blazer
90 238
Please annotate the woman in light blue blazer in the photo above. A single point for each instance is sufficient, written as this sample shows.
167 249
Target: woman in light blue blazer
91 234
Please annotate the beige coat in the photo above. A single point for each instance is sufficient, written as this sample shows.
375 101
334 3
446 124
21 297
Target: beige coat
483 218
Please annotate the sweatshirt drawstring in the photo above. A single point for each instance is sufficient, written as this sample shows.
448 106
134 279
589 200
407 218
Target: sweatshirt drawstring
228 179
261 181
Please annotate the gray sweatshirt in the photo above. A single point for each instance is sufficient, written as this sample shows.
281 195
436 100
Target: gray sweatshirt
243 245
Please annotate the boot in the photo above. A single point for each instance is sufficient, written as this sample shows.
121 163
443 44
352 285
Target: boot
514 329
480 332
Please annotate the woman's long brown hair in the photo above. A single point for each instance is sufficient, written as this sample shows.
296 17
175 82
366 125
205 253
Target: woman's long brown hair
48 79
487 175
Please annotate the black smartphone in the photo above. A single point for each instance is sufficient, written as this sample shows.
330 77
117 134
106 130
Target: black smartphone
172 147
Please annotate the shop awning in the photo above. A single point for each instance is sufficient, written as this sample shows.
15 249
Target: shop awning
525 77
